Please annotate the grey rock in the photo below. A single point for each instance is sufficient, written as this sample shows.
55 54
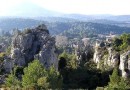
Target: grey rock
8 64
34 44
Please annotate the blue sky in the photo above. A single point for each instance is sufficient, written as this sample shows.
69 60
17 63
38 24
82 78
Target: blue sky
115 7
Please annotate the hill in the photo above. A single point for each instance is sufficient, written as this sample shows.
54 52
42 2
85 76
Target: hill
60 25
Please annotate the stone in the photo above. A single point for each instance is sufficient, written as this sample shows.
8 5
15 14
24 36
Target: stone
8 64
34 44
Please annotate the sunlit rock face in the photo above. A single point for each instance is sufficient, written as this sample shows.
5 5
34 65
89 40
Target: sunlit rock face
112 59
106 53
34 44
125 64
98 54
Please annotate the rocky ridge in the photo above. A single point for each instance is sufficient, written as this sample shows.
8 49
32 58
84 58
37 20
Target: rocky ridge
32 44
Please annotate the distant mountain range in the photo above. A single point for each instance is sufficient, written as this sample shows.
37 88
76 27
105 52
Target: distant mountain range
33 11
62 24
32 15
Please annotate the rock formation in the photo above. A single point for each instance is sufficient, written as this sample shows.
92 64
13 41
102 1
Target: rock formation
98 54
34 44
113 59
124 64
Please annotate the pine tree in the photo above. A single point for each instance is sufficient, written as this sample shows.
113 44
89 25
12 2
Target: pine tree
32 73
12 81
114 79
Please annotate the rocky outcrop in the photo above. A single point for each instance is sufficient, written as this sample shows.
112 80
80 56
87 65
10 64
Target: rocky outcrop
98 53
34 44
124 64
112 59
8 64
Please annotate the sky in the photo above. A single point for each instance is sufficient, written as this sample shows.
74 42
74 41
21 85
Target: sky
88 7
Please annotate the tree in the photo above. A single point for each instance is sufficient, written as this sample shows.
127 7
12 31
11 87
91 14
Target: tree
12 81
123 84
36 76
62 63
54 79
32 73
114 79
42 83
122 42
67 60
117 82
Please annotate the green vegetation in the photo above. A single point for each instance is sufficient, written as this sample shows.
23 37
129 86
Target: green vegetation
35 77
8 50
72 73
117 82
70 58
69 27
12 81
32 73
27 31
122 43
2 54
83 74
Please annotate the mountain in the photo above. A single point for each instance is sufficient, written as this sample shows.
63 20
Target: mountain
58 27
8 24
118 18
82 17
30 10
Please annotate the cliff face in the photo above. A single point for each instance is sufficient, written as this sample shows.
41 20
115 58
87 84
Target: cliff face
34 44
125 64
112 59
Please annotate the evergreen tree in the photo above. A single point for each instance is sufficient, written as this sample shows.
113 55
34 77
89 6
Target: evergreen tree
54 79
36 76
114 79
42 83
32 73
12 81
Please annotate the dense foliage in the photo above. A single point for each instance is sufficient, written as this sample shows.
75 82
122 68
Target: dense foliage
36 77
80 74
122 43
117 82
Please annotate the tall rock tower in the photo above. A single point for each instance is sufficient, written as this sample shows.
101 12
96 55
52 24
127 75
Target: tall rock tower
33 44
